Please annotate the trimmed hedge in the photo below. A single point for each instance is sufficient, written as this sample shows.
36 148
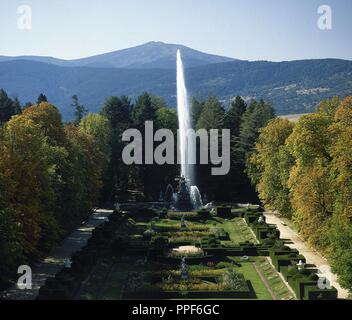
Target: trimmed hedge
304 284
314 293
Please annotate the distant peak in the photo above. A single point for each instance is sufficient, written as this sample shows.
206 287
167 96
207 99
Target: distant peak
155 42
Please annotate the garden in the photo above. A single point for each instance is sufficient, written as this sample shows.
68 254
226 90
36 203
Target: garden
229 252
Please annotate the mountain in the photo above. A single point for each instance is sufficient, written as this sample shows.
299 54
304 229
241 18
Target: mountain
152 55
292 87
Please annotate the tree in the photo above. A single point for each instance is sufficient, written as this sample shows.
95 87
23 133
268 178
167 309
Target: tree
309 182
26 169
167 118
118 112
80 110
42 98
197 108
48 118
212 115
97 126
144 110
269 166
340 236
341 253
314 160
50 179
233 116
255 117
84 175
340 152
8 107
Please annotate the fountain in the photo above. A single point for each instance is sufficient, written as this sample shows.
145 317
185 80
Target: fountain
188 196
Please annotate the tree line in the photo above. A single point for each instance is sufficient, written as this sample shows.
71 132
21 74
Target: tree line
304 171
50 179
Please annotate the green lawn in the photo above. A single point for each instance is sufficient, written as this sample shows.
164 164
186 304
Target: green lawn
237 229
248 270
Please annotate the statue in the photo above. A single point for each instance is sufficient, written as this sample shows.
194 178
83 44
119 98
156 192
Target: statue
261 220
301 265
184 269
183 223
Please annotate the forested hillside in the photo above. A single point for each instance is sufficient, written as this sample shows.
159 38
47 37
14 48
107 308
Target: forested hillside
291 87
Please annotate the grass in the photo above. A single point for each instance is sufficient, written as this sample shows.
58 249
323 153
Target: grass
281 291
237 230
249 272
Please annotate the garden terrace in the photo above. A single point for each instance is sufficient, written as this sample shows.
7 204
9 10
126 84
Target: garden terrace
236 255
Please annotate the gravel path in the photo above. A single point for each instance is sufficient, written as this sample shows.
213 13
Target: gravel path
312 256
54 263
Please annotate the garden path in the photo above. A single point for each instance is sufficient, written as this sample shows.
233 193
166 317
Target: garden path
55 262
312 256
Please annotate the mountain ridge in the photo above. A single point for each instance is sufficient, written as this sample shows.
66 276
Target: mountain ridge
292 87
150 55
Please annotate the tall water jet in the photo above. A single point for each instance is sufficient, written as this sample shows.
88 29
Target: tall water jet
188 196
187 150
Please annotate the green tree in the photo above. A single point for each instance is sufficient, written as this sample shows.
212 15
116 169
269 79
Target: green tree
145 109
255 117
42 98
309 182
269 166
233 116
212 115
97 126
197 108
8 107
116 179
117 110
80 110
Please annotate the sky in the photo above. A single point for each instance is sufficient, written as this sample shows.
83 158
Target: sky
273 30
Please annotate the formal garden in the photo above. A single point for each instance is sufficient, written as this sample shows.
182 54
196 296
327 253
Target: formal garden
146 251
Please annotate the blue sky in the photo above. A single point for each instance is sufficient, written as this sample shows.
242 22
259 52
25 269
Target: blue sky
246 29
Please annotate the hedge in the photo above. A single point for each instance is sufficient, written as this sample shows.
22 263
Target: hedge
314 293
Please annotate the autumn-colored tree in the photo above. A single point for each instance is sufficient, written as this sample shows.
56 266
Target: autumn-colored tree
270 164
83 176
25 166
48 118
97 126
310 184
49 180
340 250
319 177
